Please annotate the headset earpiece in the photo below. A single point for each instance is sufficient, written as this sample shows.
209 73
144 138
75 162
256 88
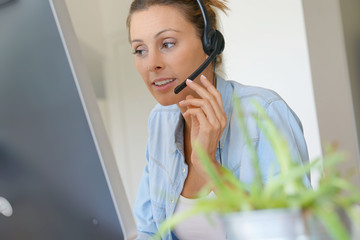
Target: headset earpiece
213 41
209 40
213 44
211 37
219 42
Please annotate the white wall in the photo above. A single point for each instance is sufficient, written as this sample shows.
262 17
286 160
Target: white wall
266 46
333 35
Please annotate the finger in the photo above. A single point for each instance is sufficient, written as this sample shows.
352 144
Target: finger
207 133
189 97
193 119
198 89
205 94
212 89
205 91
205 105
197 113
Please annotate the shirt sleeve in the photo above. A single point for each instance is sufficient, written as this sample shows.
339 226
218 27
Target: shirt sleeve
289 126
145 223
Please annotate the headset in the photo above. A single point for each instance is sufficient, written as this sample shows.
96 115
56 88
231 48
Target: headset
213 44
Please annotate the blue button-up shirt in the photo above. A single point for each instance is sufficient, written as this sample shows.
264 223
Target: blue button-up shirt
166 169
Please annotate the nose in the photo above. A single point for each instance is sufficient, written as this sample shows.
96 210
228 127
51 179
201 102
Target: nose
155 61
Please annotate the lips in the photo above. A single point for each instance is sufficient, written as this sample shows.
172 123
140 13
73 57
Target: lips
163 81
164 84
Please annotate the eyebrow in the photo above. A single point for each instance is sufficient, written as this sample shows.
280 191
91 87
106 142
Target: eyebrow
157 34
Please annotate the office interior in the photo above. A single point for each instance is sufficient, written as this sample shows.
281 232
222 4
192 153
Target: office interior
307 51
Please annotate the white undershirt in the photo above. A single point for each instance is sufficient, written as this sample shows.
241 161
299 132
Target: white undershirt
199 226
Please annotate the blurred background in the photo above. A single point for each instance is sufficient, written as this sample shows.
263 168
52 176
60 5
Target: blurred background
307 51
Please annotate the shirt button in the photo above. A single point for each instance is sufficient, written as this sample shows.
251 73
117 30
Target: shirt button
172 200
183 170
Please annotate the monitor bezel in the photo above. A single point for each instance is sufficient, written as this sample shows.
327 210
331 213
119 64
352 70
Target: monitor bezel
97 128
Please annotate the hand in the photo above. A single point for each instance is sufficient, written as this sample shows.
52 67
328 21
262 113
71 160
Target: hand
207 116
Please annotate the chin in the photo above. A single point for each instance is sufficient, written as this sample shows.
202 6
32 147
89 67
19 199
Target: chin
168 100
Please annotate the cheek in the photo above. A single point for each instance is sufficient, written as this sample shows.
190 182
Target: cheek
190 59
185 57
140 66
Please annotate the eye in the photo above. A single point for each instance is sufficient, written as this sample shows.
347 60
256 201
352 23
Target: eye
139 51
168 44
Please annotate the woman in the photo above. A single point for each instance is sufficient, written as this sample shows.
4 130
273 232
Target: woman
166 38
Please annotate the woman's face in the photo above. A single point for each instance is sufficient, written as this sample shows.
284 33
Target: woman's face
167 50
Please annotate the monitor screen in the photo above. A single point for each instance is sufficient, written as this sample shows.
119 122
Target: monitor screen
57 169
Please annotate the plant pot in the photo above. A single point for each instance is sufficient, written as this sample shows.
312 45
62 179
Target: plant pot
316 229
277 224
269 224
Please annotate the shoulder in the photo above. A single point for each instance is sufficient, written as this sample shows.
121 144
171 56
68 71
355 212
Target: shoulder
269 100
247 93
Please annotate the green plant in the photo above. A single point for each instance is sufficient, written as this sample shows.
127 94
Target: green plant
285 190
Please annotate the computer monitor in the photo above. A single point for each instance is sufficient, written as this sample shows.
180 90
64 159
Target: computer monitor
57 169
